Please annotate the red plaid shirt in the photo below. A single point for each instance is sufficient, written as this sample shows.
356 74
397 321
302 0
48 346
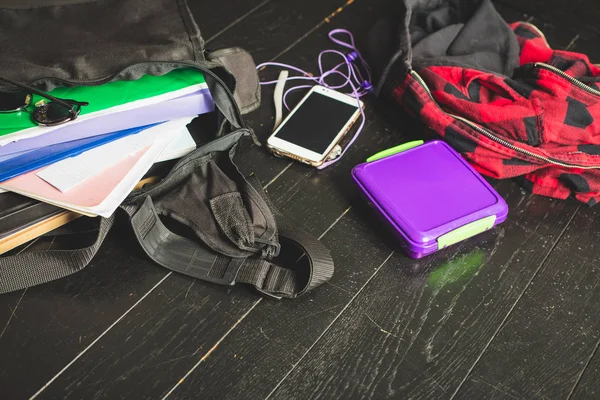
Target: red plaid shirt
541 125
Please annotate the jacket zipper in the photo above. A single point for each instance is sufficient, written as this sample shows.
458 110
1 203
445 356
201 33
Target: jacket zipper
554 69
495 137
568 77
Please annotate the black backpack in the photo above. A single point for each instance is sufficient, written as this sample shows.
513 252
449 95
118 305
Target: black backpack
232 232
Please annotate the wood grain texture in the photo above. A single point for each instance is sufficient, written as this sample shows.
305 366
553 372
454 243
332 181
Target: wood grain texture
217 17
586 42
302 188
553 332
162 338
588 386
275 336
269 33
581 14
274 26
52 323
543 353
419 326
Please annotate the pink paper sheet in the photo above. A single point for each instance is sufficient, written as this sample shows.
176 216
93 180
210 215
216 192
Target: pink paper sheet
91 193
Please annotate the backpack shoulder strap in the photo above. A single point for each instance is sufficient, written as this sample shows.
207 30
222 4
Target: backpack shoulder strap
304 262
29 269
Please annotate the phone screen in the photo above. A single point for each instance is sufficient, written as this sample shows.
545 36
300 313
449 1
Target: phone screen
316 122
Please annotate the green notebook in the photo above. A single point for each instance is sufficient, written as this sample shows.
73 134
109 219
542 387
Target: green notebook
102 99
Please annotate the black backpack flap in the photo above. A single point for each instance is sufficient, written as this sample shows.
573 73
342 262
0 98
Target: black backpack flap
94 41
237 61
238 236
50 43
206 193
235 234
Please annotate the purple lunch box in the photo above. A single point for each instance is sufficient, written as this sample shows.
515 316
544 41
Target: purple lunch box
430 195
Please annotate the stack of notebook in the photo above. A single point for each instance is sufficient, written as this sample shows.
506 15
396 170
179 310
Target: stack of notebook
88 166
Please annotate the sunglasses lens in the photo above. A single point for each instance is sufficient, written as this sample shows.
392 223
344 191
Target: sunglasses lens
53 114
14 101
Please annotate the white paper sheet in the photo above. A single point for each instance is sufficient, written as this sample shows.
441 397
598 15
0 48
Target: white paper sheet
181 146
163 134
70 172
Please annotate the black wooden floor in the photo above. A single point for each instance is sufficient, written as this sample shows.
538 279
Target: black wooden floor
512 314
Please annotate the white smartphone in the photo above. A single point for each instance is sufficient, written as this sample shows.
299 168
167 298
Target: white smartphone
315 126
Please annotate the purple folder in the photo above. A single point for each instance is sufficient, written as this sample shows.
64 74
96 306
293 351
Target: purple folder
186 106
38 158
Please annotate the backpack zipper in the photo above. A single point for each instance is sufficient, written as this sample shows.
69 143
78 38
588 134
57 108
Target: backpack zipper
143 191
495 137
568 77
109 78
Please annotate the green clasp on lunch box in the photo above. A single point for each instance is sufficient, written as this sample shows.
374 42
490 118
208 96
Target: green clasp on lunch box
395 150
466 231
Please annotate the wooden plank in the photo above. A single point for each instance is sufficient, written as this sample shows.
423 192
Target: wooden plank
250 158
557 306
574 13
161 356
418 327
257 354
52 323
587 43
217 17
579 14
554 330
152 324
588 386
160 339
301 195
262 32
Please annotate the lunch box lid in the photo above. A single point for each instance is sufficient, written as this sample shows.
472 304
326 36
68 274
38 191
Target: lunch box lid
430 194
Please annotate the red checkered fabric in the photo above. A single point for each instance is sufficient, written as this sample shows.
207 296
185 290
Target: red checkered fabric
537 125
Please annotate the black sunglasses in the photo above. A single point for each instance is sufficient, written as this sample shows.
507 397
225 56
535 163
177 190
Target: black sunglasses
50 112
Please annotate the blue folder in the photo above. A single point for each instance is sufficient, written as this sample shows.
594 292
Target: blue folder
32 160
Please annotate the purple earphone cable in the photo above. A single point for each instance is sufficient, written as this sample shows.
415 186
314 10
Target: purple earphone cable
359 84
